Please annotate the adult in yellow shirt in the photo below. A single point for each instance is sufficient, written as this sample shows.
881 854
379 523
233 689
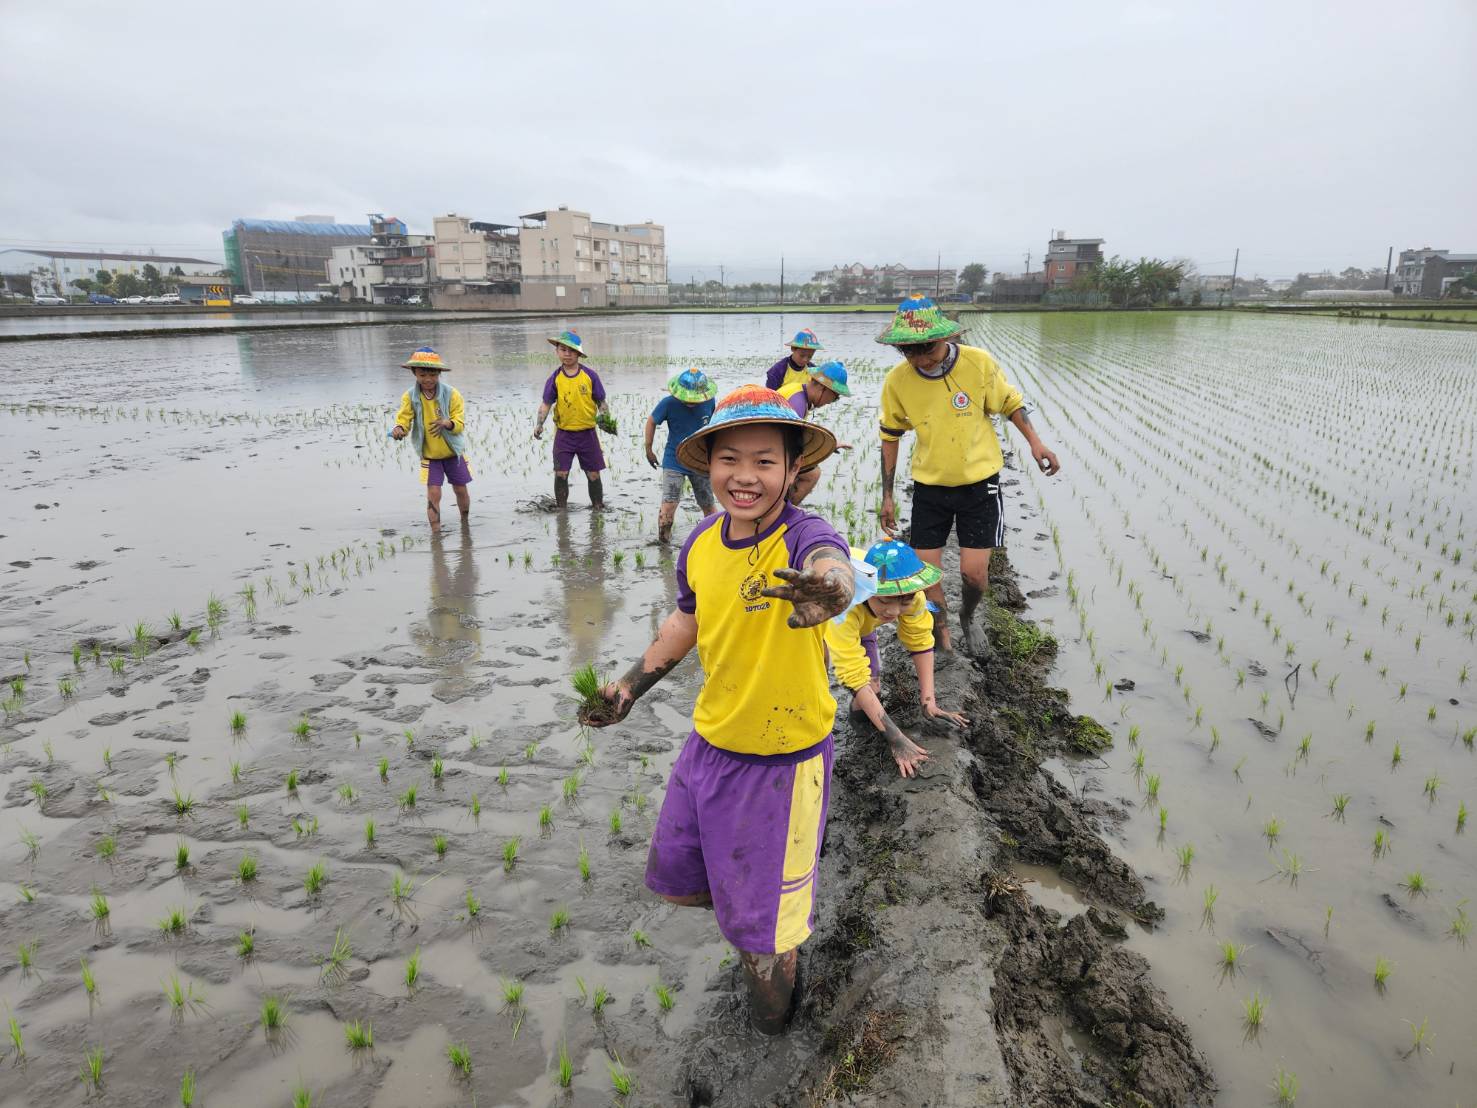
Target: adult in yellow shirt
900 576
946 392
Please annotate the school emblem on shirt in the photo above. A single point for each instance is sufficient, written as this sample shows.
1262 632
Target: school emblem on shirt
752 585
960 400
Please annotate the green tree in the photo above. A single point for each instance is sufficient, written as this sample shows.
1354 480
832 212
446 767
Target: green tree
126 284
887 289
102 278
972 278
153 280
85 285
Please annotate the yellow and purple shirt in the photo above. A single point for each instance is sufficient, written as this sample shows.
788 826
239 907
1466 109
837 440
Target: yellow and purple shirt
765 688
575 398
849 655
436 445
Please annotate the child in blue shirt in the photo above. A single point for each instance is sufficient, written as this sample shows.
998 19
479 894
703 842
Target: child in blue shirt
688 408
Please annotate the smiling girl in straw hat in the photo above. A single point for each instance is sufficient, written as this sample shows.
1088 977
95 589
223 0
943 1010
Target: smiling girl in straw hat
740 827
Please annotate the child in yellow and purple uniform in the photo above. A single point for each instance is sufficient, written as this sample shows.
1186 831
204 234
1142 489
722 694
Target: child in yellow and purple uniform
794 367
576 395
740 828
823 385
433 416
900 577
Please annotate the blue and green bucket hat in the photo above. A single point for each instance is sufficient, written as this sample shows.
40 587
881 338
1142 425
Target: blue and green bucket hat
805 340
569 339
833 376
899 569
692 386
919 319
755 404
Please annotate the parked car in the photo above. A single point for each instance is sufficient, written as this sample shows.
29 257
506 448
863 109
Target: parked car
132 300
50 301
416 299
169 298
100 298
244 300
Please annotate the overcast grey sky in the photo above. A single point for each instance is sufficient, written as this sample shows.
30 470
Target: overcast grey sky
1308 134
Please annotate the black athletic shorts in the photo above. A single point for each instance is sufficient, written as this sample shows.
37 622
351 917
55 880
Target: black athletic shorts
978 508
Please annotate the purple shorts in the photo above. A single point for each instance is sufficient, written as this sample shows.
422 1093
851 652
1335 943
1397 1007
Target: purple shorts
436 471
746 829
584 445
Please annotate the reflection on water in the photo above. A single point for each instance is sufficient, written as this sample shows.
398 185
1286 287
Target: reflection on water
591 593
452 635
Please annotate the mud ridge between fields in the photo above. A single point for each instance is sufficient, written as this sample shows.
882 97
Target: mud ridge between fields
932 979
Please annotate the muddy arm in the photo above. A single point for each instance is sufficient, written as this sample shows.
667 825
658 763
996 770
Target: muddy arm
677 636
908 755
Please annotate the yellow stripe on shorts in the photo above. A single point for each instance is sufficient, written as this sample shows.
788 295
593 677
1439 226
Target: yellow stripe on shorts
797 893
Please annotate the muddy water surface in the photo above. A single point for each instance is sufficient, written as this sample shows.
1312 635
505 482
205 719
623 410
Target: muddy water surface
1216 472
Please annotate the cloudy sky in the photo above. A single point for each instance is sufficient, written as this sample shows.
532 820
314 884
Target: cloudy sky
1308 134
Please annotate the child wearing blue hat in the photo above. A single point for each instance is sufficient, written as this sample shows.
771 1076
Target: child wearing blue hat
794 367
822 385
688 407
900 578
576 395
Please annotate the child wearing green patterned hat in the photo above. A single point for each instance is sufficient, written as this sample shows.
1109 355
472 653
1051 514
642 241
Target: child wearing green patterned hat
946 392
896 589
687 407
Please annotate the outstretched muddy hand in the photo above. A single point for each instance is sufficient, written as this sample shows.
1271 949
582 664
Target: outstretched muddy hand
908 755
816 596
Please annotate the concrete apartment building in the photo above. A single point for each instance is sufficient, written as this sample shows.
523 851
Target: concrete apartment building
479 257
393 267
568 248
1065 258
1427 273
885 282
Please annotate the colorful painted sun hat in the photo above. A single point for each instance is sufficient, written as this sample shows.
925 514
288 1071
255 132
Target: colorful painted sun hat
569 339
919 319
899 569
754 404
692 386
425 358
833 376
805 340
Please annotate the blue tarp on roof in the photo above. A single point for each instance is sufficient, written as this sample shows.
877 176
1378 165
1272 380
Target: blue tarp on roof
292 227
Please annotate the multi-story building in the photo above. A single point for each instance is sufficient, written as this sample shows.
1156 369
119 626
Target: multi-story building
393 267
478 256
53 271
1065 258
567 248
286 259
1428 273
892 281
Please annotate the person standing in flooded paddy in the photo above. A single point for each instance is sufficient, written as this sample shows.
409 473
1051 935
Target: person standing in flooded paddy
577 397
433 416
740 826
946 392
688 405
824 384
794 367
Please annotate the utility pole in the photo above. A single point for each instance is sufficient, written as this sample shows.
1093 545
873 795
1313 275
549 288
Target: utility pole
1390 257
1235 265
938 275
722 284
782 278
1028 261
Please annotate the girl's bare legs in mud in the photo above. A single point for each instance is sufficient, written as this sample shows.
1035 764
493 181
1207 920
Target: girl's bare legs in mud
433 505
769 977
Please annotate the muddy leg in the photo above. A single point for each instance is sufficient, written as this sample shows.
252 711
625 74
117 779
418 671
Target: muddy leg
974 567
433 505
665 517
771 981
597 492
463 500
561 489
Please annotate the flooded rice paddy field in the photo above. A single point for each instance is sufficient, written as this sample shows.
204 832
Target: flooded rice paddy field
232 633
